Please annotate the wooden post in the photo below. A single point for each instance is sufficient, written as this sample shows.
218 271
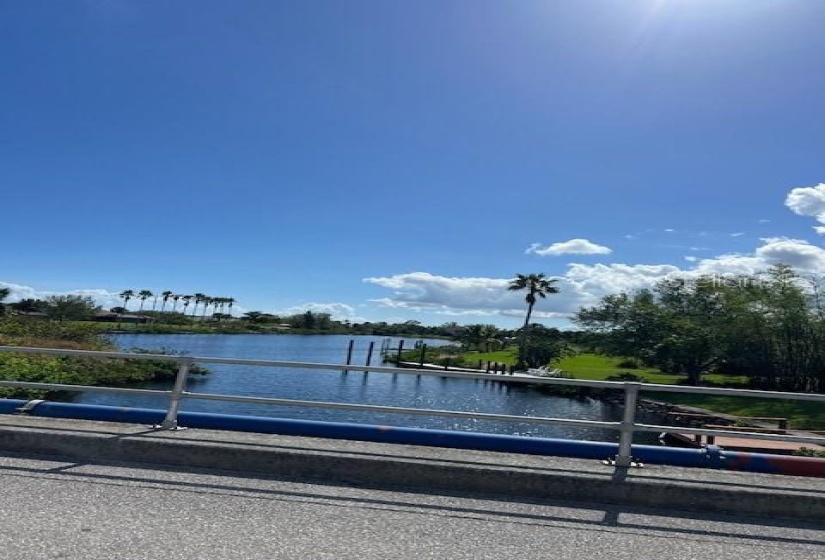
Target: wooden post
349 351
369 353
400 349
422 355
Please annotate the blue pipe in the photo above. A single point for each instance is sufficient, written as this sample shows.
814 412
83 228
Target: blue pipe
10 406
711 457
375 433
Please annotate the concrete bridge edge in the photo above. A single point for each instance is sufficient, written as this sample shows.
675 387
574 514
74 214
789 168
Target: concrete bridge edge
386 470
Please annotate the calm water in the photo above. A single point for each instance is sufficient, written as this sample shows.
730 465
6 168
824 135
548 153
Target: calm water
353 387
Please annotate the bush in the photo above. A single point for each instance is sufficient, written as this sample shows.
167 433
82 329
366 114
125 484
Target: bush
626 376
628 363
808 452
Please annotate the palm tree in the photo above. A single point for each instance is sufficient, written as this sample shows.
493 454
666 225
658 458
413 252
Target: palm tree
207 301
175 299
218 303
229 302
126 295
186 301
198 299
166 296
143 295
536 285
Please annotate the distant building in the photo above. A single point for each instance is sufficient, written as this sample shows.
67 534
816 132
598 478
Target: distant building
109 317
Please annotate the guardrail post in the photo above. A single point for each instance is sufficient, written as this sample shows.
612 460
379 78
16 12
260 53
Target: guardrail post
171 420
631 395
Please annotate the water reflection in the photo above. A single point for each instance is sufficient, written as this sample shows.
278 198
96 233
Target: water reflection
376 388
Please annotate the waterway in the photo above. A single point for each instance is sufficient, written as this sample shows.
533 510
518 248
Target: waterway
375 388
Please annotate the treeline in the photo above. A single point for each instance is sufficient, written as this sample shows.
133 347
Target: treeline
60 308
324 322
159 302
769 327
64 369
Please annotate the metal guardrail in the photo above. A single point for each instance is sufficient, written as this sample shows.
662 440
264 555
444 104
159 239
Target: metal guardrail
627 427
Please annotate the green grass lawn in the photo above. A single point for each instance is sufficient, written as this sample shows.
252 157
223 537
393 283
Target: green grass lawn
507 356
803 415
598 368
800 414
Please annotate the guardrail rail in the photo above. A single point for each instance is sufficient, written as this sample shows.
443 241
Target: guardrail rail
627 427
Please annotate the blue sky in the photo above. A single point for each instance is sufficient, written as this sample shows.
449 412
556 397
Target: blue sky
395 160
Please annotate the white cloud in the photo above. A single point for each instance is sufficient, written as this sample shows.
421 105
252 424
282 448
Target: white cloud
820 230
338 311
737 234
670 230
587 284
583 284
422 290
808 201
794 252
571 247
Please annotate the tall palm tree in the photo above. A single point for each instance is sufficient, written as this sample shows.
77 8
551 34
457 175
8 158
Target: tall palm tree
217 304
198 299
143 295
207 301
166 296
126 295
175 298
229 302
535 285
186 301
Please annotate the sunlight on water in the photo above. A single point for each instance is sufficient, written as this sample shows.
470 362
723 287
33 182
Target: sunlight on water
412 391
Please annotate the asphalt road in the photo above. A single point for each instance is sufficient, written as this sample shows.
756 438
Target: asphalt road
54 509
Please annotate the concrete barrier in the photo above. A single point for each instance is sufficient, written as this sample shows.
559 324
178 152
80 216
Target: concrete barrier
419 468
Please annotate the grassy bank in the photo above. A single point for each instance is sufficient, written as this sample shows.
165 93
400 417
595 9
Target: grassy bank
800 414
803 415
69 370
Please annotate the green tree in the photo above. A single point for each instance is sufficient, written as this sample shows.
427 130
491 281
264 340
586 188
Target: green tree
143 295
4 293
126 295
186 301
207 301
166 295
259 317
764 326
675 326
199 298
535 285
29 305
479 337
70 307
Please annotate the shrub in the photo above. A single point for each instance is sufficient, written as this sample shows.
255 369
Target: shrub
808 452
628 363
626 376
